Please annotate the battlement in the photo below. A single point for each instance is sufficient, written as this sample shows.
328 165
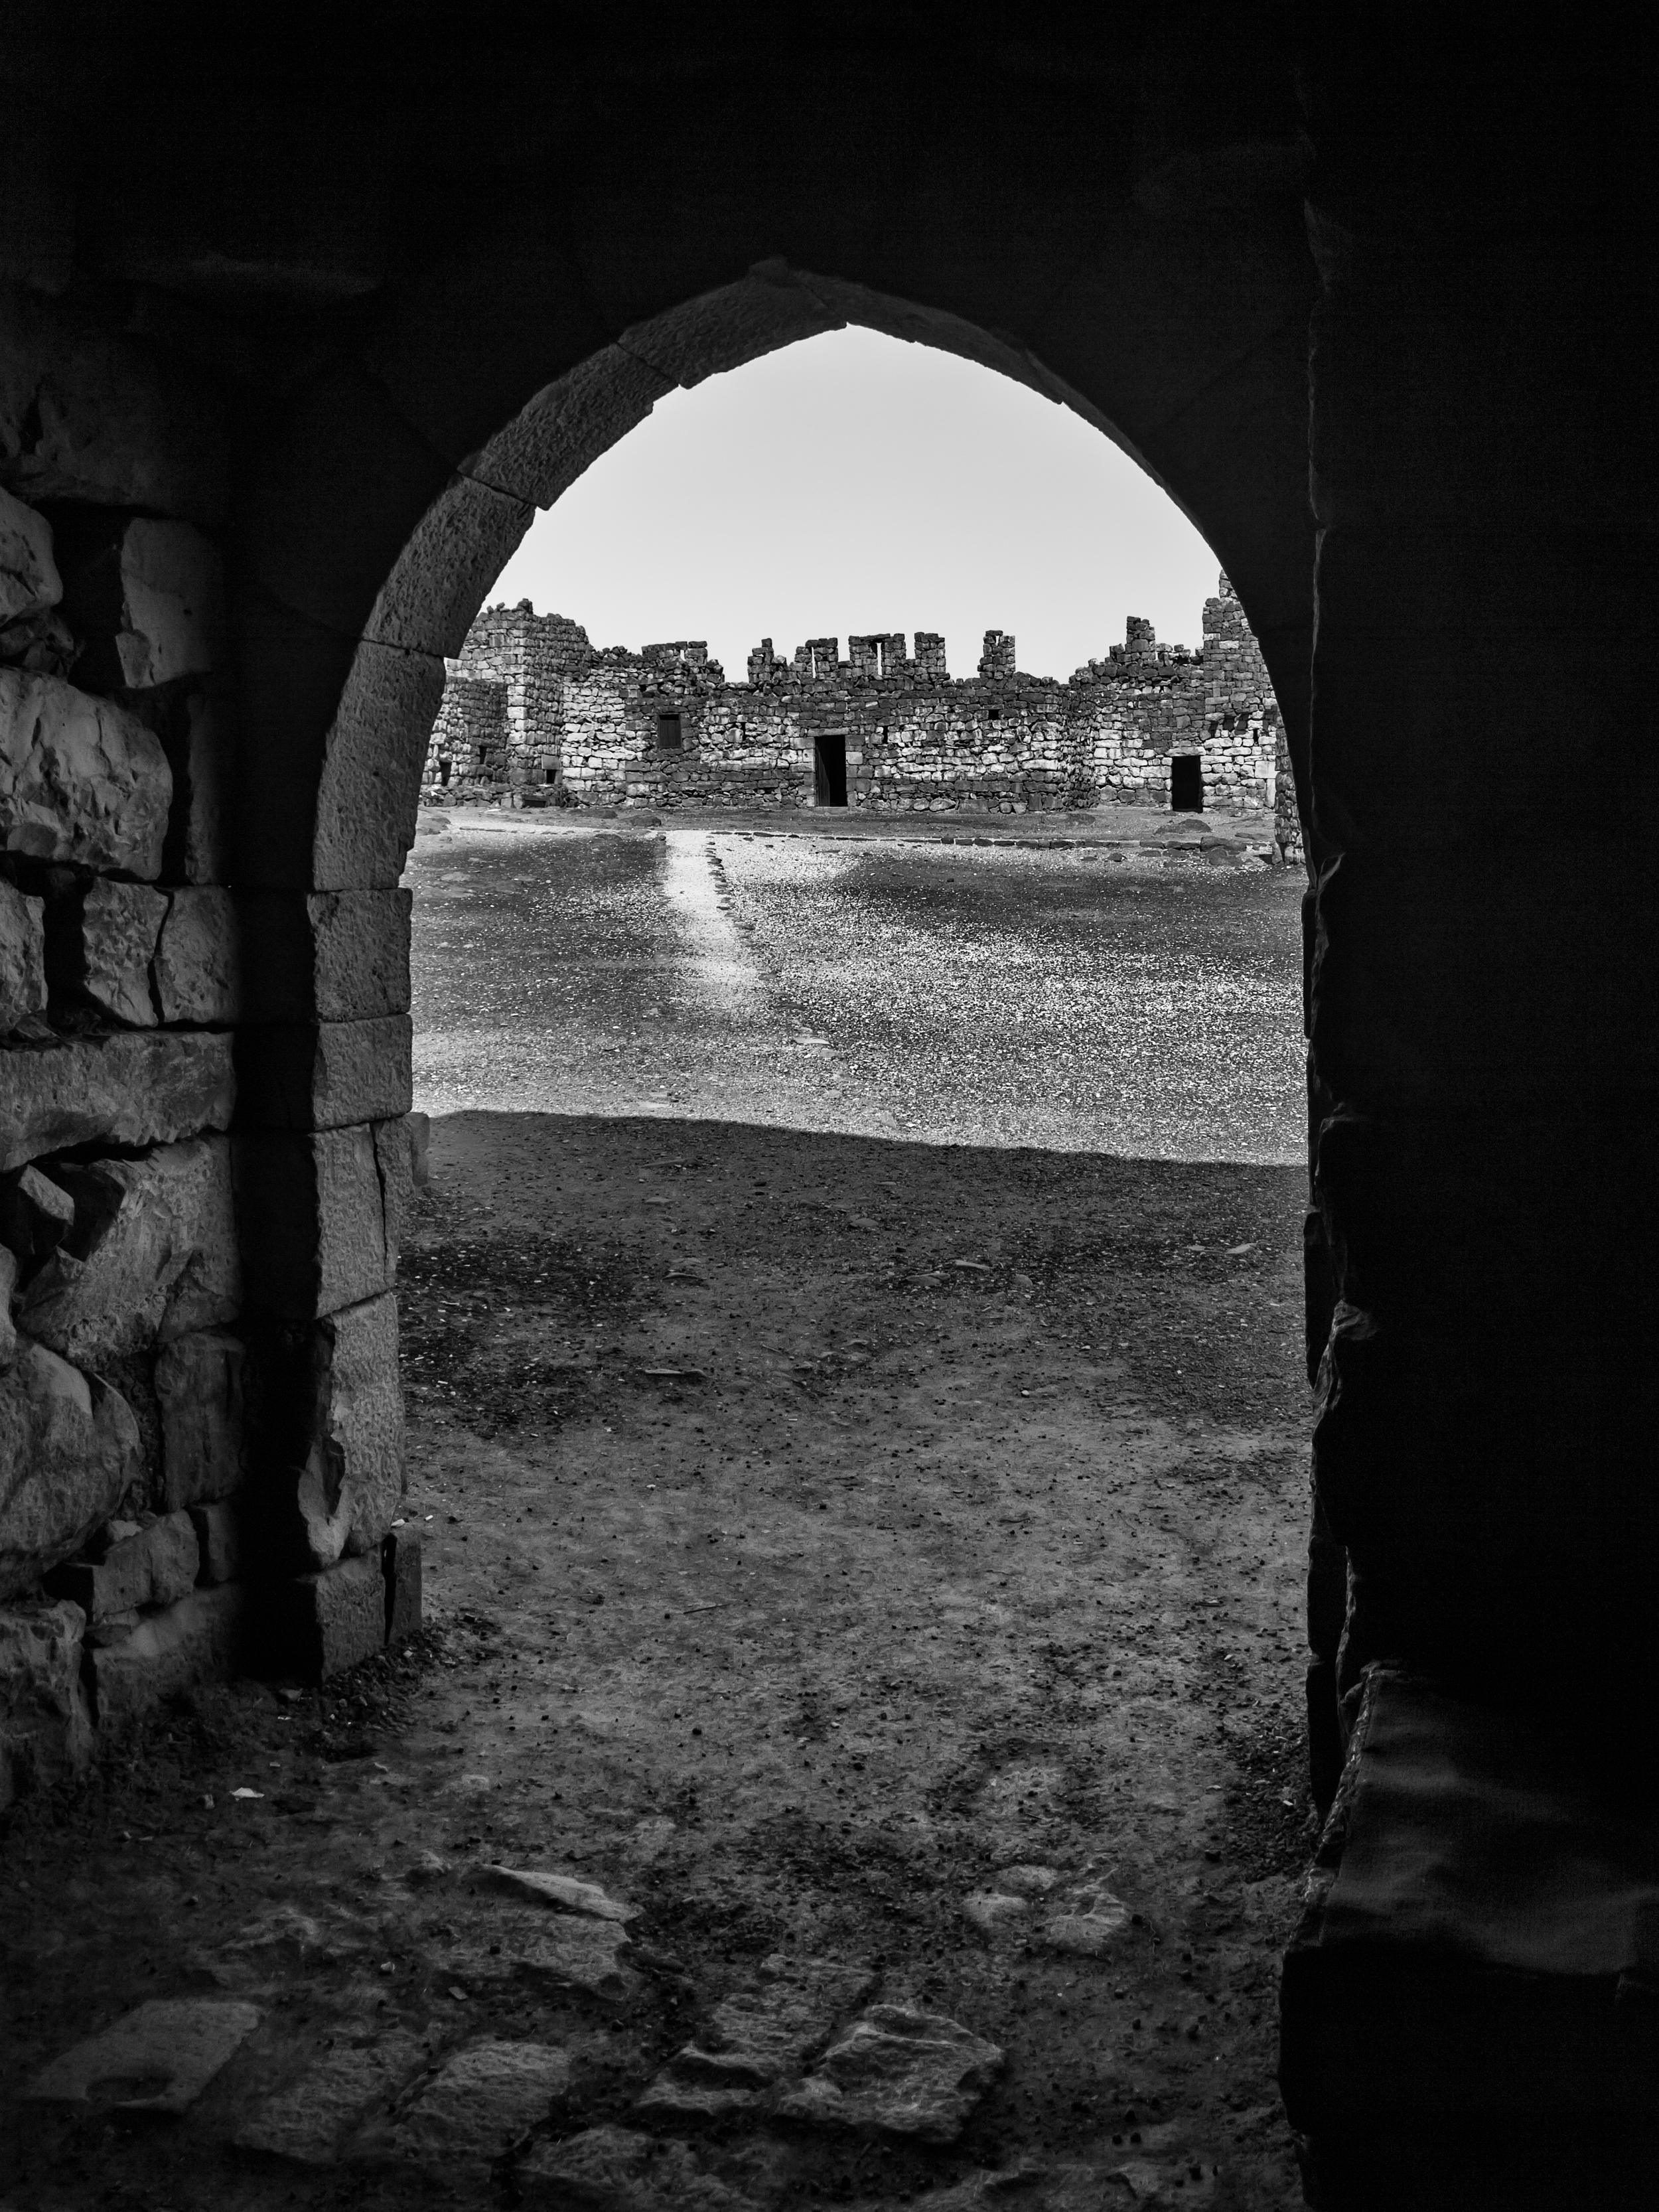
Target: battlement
533 712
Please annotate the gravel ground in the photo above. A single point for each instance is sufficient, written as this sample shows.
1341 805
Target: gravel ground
1078 996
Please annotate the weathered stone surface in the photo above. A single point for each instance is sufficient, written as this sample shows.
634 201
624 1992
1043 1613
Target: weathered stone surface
8 1326
481 2104
198 732
199 1390
69 1447
144 1088
154 1565
328 1436
325 1622
218 1540
394 1164
1029 2187
100 940
420 1149
757 2036
325 1075
1090 1929
570 1953
995 1911
199 958
619 2170
36 1214
199 1639
22 957
29 582
401 1563
306 2121
157 2059
148 597
46 1729
370 788
898 2071
87 415
313 1215
81 779
1027 1880
562 1892
153 1254
325 956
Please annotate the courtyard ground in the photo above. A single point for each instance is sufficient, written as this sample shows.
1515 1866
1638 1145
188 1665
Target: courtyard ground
852 1347
826 1536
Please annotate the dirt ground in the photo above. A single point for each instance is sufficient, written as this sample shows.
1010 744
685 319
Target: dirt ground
817 1528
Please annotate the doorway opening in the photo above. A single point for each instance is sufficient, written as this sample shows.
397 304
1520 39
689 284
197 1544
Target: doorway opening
829 768
670 733
1186 784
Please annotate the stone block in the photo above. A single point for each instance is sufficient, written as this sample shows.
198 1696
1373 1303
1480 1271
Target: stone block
321 1624
144 1088
448 563
401 1563
218 1540
198 959
324 1075
148 597
86 414
22 957
29 582
306 2120
394 1159
330 1432
325 956
611 2169
46 1728
100 940
153 1254
482 2102
372 756
68 1449
36 1214
898 2071
156 2059
199 1639
199 1390
81 779
314 1220
8 1326
136 1567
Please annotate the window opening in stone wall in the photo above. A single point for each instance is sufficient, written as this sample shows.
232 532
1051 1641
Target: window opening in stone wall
669 733
1186 784
829 768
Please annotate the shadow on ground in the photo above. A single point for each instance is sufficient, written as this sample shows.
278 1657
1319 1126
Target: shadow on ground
873 1564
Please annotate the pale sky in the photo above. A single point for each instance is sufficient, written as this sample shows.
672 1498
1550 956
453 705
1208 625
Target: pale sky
853 483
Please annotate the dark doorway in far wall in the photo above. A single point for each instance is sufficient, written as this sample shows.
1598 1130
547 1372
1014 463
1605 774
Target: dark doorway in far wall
669 734
830 769
1186 784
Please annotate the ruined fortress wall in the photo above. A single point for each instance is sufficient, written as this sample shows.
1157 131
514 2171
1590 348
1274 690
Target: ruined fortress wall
534 714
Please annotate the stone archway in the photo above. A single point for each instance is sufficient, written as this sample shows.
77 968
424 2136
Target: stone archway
281 300
327 826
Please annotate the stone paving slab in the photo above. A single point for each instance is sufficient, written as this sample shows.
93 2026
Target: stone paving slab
157 2059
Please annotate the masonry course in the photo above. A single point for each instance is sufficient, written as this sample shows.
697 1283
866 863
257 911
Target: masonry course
130 1355
534 714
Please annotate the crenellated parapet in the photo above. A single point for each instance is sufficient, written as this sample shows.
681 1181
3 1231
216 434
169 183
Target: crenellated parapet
533 714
